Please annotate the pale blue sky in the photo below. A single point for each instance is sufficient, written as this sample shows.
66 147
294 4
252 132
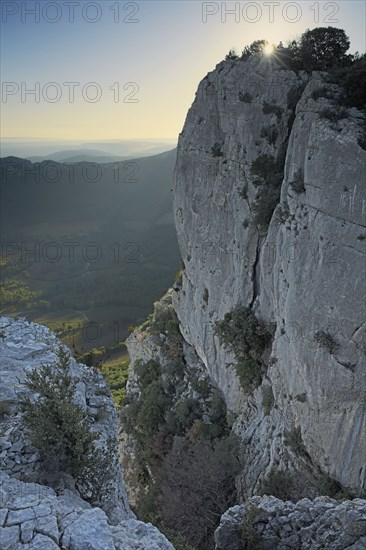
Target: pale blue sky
165 53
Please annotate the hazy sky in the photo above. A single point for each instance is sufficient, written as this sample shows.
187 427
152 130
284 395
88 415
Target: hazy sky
134 66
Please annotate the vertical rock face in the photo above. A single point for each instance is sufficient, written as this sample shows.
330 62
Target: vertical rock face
305 272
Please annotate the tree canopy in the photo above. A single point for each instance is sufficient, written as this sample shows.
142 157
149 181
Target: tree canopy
319 49
323 48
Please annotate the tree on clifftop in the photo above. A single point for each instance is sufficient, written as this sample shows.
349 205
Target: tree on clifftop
323 48
320 49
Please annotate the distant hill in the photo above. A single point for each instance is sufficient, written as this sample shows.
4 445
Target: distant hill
121 212
82 155
38 150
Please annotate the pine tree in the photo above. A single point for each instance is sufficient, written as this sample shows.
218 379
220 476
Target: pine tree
60 429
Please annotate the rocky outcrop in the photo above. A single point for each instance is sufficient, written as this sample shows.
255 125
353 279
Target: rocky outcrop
38 511
251 123
34 517
266 523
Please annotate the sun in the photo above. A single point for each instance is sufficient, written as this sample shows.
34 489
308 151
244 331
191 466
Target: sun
268 49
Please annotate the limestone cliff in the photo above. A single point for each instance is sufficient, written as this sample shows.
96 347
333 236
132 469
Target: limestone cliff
270 211
305 273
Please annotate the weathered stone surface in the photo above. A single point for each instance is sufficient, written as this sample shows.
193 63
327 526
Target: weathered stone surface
9 536
90 530
25 347
134 534
305 274
272 523
35 516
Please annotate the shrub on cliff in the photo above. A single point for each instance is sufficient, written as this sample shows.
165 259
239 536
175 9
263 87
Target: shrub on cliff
353 81
163 321
241 332
60 429
197 486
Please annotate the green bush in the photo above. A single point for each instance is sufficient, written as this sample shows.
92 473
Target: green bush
60 429
264 206
272 109
216 150
284 211
250 537
186 412
205 296
164 320
269 172
153 405
353 81
270 134
331 487
202 387
244 192
218 409
320 92
231 55
245 97
242 333
279 484
147 372
297 182
301 397
267 399
334 115
248 371
326 341
263 166
295 442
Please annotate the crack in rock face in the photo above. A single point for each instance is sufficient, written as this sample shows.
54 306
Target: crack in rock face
303 272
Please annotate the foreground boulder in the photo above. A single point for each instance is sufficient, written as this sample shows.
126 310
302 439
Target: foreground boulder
33 517
269 523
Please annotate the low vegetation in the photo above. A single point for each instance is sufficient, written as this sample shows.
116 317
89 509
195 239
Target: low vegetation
245 97
267 399
243 334
59 428
334 115
270 133
294 485
268 175
297 182
250 538
115 373
295 442
264 206
216 150
272 109
326 341
185 454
